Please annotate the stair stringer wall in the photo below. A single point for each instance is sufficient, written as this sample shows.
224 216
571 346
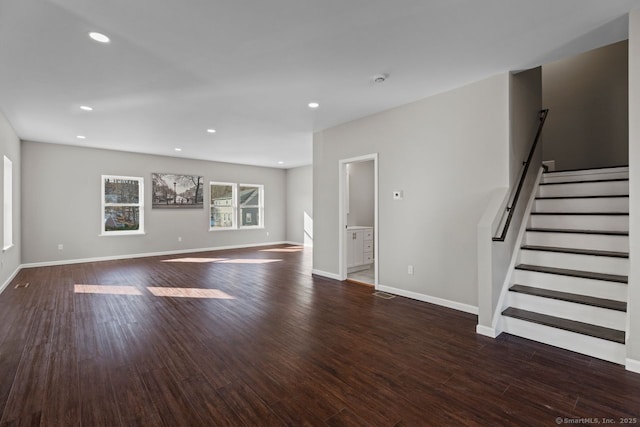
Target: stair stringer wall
496 318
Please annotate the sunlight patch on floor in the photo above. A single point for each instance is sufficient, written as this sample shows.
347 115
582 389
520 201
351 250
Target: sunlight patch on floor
106 289
249 261
156 291
189 293
197 260
224 260
285 250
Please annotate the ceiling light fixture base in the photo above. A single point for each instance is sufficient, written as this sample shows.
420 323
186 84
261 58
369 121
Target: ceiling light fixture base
380 78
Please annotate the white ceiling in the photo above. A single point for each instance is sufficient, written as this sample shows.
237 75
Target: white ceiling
248 68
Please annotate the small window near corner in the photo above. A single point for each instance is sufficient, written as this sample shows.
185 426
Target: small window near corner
122 205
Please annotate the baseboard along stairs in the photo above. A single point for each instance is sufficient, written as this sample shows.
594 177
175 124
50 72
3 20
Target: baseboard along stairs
569 285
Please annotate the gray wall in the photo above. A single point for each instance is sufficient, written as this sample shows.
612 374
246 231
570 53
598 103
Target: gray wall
61 204
361 194
587 95
525 100
300 205
525 103
446 153
633 307
10 146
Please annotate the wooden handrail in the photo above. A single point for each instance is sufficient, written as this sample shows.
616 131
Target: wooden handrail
510 209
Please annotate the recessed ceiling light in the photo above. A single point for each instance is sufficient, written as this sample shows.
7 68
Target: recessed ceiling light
99 37
281 162
86 108
178 149
211 130
81 137
313 105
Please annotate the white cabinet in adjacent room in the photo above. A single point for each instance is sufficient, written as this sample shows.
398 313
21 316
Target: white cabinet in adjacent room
359 248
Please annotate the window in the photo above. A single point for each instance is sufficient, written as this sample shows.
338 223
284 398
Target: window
227 197
122 205
224 205
251 205
8 204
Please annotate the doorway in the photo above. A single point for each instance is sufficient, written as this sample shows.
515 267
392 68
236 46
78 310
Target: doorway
358 225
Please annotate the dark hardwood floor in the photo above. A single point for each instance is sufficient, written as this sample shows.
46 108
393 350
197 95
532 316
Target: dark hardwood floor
265 343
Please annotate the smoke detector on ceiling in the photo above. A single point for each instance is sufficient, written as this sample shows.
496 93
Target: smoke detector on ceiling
380 78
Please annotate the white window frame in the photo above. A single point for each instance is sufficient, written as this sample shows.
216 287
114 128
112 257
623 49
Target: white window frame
8 205
260 207
234 205
140 205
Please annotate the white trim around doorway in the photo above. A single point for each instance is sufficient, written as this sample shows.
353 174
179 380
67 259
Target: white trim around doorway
342 221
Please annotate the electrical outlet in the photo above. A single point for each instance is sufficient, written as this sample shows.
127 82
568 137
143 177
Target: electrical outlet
410 269
267 234
60 246
179 239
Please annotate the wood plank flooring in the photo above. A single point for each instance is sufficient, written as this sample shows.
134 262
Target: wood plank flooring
272 345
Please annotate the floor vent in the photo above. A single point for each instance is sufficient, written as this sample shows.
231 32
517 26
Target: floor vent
383 295
21 285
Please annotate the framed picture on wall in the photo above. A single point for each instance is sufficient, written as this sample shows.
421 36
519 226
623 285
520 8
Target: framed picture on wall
176 191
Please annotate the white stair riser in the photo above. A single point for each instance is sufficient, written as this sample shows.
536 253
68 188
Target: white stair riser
573 285
587 175
568 310
595 347
596 264
574 201
608 188
599 242
581 222
601 204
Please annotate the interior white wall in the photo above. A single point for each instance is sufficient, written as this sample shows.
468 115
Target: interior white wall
361 194
525 103
633 307
61 204
446 153
10 259
588 100
300 205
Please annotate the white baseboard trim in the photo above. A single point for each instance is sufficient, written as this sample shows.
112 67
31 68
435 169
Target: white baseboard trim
486 331
632 365
289 242
325 274
10 278
145 255
432 300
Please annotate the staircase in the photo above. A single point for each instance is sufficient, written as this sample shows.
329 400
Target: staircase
569 286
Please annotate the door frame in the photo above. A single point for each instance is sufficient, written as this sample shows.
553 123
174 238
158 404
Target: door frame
342 220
